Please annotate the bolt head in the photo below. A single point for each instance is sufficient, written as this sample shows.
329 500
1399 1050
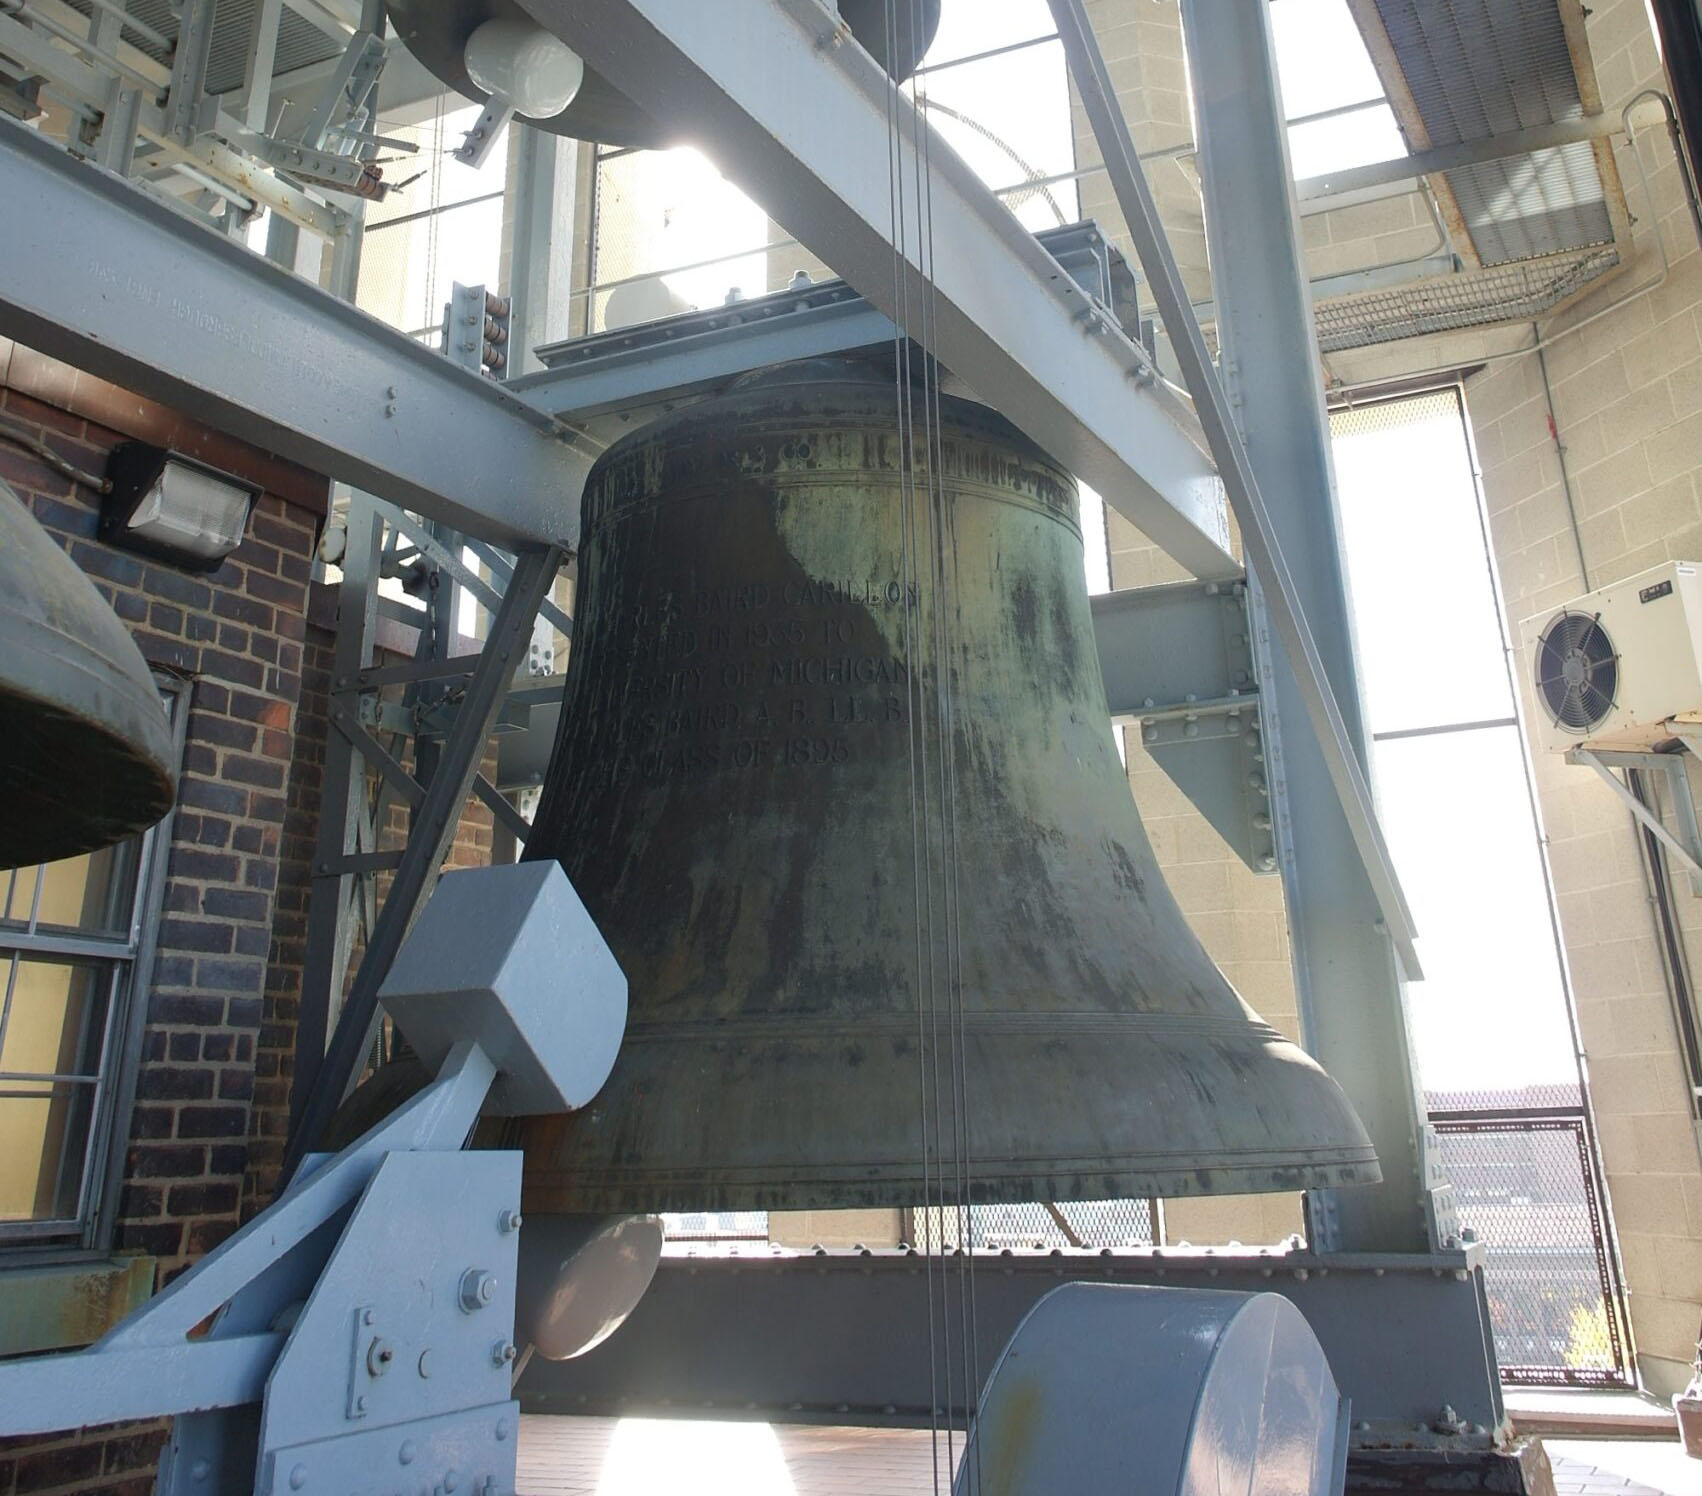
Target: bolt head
407 1452
298 1477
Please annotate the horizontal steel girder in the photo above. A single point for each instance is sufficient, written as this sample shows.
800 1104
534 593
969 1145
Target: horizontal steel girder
805 124
112 280
843 1337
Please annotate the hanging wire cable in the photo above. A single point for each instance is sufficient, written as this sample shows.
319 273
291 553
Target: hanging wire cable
918 830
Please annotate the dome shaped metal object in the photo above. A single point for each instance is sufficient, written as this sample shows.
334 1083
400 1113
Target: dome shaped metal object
87 754
436 32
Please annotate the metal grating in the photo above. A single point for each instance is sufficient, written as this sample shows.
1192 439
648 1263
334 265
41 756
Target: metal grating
1525 1183
1089 1223
300 43
1479 68
1516 292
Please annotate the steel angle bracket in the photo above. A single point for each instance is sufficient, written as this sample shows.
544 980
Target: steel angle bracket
1178 660
1686 846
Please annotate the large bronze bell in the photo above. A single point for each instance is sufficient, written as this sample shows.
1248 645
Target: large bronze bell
86 751
746 791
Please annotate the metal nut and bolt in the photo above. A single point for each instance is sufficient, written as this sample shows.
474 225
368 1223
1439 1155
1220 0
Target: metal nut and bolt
508 1221
478 1288
503 1352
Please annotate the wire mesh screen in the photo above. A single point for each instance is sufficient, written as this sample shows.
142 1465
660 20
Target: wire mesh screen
1524 1184
1091 1223
716 1225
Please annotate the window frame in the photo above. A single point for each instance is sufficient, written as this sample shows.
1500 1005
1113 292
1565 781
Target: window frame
130 958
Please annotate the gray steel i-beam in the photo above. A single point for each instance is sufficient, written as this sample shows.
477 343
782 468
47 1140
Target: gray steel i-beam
118 283
1353 1012
806 123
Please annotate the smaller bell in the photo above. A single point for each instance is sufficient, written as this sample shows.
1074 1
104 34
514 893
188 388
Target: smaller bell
86 752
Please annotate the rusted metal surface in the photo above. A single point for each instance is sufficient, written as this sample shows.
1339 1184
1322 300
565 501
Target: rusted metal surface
53 1306
747 793
86 756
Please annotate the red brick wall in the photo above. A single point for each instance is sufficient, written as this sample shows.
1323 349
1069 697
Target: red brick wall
236 636
213 1082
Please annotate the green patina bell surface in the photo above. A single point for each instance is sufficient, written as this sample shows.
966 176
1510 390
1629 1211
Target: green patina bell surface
751 791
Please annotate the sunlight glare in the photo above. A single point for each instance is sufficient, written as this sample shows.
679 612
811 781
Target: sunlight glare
647 1455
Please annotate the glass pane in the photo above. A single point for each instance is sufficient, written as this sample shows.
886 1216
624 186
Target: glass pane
1356 139
1321 57
41 1166
1009 118
666 213
53 1018
1423 602
1490 1014
92 893
434 178
408 269
971 26
18 887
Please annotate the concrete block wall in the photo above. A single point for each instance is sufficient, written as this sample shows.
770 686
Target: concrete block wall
235 638
1626 389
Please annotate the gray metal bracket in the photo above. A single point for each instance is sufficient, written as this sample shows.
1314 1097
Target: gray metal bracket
1686 845
1179 660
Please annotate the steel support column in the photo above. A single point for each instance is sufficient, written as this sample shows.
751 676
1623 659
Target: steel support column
342 801
537 207
1352 1009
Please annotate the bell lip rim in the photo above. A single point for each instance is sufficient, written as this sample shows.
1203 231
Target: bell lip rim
1360 1168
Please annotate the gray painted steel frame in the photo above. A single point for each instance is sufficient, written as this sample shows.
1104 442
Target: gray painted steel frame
817 155
841 1337
1352 1008
179 313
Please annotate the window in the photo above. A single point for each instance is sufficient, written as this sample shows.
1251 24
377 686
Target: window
74 940
1452 786
1338 114
672 235
443 226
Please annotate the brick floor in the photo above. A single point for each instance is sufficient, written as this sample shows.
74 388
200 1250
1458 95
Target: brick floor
643 1457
